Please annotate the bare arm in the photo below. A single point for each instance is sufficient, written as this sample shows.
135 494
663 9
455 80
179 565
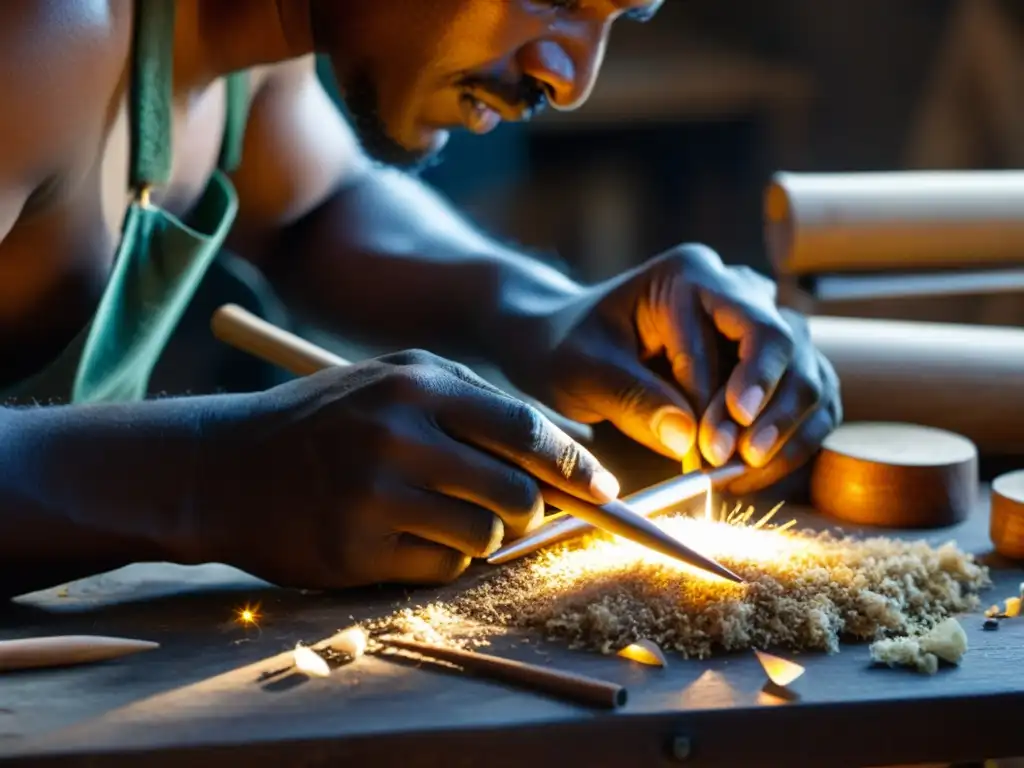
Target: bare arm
81 489
372 253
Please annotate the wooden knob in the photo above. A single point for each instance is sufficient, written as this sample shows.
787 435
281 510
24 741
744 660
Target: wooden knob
895 476
1007 522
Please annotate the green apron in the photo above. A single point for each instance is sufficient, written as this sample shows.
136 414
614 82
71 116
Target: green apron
150 332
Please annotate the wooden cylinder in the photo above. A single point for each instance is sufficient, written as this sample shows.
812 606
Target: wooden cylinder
1006 527
565 685
241 329
965 379
895 476
854 222
66 651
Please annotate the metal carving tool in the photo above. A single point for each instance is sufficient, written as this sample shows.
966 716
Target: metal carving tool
648 502
241 329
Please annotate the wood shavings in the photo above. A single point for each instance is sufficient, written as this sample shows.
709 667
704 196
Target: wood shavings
310 662
805 592
644 652
782 672
947 642
436 624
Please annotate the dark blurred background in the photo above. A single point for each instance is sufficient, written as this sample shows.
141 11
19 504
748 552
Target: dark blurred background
696 110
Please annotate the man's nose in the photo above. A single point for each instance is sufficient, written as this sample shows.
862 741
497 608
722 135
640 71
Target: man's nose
566 67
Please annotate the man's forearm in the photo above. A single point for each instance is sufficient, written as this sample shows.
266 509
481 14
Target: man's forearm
388 261
88 489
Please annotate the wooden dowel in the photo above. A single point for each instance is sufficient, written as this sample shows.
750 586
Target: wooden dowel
243 330
566 685
66 651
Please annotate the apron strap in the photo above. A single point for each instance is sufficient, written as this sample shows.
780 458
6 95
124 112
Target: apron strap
152 94
235 122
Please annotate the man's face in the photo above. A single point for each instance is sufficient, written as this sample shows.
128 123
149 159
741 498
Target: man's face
410 71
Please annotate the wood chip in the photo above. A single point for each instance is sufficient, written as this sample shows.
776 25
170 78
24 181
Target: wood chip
644 652
780 671
310 662
1012 607
351 642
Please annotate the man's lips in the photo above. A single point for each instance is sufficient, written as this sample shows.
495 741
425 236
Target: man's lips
477 116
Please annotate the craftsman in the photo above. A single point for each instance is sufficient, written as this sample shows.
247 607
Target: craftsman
114 251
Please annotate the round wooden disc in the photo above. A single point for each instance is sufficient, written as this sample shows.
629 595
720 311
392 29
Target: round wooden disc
1007 522
895 475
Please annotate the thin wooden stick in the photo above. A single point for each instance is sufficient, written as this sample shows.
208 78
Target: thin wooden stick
66 651
566 685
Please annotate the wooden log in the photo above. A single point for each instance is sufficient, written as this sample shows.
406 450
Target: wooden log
895 476
964 379
894 221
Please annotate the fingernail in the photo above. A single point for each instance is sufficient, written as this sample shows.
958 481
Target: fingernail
762 442
750 402
724 441
604 486
675 429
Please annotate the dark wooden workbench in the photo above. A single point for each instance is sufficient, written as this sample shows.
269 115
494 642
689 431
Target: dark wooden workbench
198 699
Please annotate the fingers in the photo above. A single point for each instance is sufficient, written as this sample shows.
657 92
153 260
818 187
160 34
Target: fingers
791 456
674 321
797 395
641 404
766 348
516 432
718 432
497 489
416 561
459 525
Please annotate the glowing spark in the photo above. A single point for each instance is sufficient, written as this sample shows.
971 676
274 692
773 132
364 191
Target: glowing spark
310 662
708 515
780 671
644 652
771 513
732 543
248 616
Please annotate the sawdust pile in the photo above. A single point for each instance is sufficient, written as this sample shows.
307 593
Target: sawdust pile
806 592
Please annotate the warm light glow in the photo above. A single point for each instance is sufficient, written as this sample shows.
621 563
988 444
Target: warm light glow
780 671
732 539
1012 607
248 616
644 652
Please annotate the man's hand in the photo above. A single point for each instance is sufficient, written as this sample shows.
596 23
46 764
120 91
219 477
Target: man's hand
399 469
744 376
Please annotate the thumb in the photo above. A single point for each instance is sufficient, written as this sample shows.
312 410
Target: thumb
643 406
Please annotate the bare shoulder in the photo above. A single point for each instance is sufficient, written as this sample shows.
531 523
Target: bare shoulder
62 64
298 146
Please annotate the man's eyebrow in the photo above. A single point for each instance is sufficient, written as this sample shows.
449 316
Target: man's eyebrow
642 14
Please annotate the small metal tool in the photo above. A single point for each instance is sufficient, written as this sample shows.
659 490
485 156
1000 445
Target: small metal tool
243 330
646 503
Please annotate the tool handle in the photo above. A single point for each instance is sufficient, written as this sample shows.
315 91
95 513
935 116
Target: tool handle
243 330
